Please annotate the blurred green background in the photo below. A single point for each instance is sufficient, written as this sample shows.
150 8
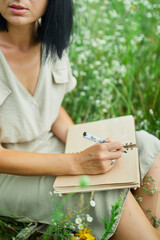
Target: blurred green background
115 56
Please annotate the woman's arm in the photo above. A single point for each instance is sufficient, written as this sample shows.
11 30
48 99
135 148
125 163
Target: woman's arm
61 125
35 164
93 160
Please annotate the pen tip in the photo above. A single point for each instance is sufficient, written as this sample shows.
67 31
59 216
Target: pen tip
84 134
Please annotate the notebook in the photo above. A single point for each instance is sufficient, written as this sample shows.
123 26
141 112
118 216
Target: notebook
125 174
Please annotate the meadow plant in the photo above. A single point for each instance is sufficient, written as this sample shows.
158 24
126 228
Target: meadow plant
74 224
115 57
70 224
149 187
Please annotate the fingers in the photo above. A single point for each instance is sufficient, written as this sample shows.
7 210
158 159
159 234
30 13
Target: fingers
100 157
108 155
111 146
114 155
105 151
107 165
109 139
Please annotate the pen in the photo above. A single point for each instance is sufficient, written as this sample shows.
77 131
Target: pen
97 139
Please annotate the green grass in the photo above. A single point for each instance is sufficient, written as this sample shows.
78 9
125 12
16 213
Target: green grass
115 56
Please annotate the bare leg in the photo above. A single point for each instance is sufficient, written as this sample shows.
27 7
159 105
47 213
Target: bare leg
150 203
135 222
134 225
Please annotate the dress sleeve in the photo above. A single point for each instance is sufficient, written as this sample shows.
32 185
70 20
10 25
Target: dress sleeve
71 79
61 70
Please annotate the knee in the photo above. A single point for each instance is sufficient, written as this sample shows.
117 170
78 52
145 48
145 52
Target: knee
148 144
148 139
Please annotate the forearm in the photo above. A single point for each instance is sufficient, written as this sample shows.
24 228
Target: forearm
35 164
62 124
94 160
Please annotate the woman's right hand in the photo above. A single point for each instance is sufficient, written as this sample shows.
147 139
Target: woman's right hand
97 159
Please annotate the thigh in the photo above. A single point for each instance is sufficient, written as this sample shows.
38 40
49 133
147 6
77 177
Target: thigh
134 224
148 196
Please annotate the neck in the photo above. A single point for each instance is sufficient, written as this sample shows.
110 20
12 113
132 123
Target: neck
23 37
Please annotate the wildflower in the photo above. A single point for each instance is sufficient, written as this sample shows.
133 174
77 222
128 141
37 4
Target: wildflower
85 234
80 226
52 221
106 81
92 203
85 88
89 218
72 227
133 7
158 30
140 199
97 101
149 15
113 13
151 111
140 38
78 220
71 235
75 73
50 194
82 93
98 63
66 225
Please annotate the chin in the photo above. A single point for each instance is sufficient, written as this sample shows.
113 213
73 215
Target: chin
18 21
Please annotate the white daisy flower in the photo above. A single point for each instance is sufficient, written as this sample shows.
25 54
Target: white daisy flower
80 227
78 220
89 218
92 203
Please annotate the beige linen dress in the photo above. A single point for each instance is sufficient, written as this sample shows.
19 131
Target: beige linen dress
25 124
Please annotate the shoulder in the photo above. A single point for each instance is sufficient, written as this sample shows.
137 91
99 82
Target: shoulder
55 62
61 70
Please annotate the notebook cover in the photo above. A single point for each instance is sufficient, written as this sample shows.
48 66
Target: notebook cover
126 171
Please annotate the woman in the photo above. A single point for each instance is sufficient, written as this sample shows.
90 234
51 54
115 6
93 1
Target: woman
34 76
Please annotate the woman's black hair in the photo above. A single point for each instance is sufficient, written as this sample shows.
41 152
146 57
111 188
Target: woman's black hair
55 27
